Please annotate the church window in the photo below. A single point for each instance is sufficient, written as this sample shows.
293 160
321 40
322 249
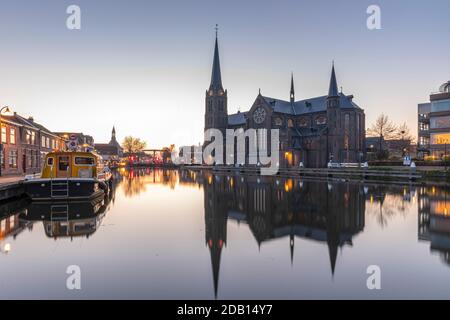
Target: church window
290 123
220 105
278 121
210 106
303 123
358 119
321 120
346 131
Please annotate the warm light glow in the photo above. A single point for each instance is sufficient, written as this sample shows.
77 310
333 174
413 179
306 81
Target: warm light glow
7 247
288 157
288 185
440 138
440 208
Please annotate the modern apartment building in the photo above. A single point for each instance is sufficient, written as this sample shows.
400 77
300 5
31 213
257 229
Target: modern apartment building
434 124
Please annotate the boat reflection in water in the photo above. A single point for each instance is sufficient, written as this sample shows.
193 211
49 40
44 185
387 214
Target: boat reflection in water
72 218
69 219
60 219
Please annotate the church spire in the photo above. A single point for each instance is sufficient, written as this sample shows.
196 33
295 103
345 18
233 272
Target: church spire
333 90
216 77
292 95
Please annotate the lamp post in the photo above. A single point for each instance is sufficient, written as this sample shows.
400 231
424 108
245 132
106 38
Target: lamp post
403 142
6 108
445 154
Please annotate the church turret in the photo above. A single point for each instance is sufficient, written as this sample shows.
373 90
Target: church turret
216 105
292 95
333 94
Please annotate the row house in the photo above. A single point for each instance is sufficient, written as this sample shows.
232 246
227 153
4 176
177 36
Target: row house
25 144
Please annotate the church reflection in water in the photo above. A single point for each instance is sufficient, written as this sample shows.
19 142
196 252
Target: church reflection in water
330 213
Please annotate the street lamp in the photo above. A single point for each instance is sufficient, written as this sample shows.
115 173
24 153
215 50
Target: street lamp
6 108
403 142
445 154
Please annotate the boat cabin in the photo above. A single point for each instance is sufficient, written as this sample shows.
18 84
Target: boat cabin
63 164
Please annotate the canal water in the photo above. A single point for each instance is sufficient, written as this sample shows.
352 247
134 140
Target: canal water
168 234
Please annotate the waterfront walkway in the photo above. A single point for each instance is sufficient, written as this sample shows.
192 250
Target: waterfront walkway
10 179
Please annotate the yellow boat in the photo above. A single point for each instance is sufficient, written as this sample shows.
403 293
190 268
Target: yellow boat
69 175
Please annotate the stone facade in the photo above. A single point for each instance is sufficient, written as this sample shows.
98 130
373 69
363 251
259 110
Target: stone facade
312 131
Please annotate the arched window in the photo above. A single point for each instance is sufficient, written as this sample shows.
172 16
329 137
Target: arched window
347 131
278 121
290 123
303 122
321 120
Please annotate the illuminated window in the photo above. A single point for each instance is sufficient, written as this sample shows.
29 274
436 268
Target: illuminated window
290 123
4 140
12 135
440 138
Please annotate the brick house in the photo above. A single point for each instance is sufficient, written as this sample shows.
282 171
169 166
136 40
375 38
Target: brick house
25 144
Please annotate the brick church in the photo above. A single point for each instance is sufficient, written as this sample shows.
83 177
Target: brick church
312 131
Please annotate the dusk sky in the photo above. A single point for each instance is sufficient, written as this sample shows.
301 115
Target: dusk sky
144 66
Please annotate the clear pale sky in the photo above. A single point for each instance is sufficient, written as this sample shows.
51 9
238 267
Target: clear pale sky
144 66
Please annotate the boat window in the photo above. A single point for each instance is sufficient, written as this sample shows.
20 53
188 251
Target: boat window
84 161
49 161
63 163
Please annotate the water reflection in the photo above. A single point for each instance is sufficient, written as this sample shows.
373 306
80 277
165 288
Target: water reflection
329 214
60 219
434 220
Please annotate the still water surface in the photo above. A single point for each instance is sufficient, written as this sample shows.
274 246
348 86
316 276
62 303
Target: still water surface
186 235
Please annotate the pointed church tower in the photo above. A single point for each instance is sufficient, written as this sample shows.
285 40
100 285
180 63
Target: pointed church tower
216 103
113 140
334 120
333 94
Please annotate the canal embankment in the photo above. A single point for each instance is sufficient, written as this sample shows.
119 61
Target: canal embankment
423 175
11 187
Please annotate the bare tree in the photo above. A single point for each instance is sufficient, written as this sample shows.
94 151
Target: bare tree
403 134
383 129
